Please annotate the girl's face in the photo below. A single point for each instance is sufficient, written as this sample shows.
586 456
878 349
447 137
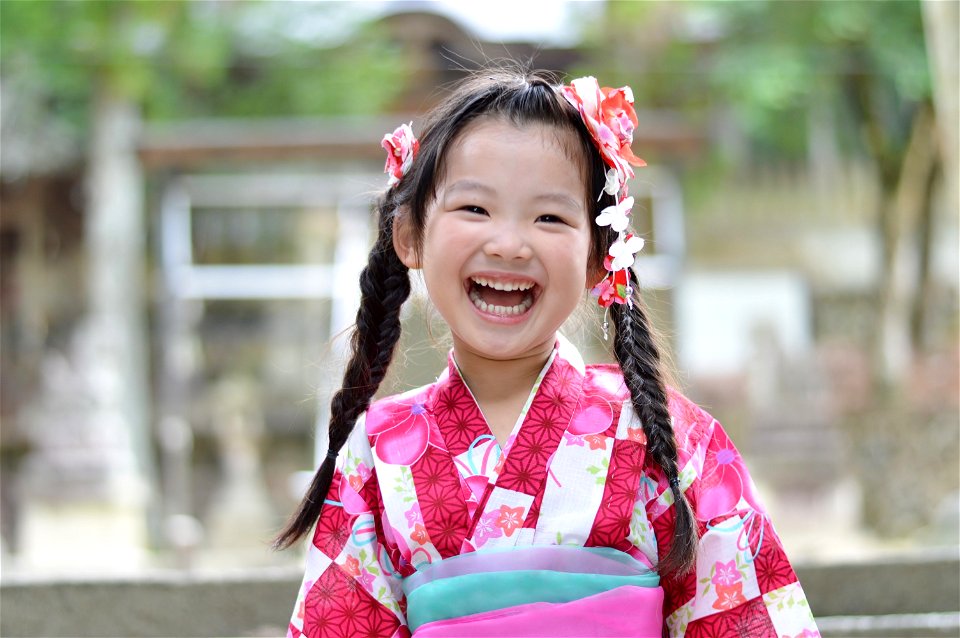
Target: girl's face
507 239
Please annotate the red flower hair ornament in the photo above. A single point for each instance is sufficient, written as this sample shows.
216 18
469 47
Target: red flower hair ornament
401 147
610 118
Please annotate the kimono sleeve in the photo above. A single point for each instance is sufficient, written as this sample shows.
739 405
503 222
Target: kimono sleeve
742 583
350 587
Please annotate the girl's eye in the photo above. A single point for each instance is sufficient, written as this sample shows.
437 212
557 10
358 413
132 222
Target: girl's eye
474 209
550 219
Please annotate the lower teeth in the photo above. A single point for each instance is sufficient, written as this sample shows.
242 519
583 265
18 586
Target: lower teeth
520 308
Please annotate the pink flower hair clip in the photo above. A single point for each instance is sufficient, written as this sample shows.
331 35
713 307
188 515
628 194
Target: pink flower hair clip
610 118
401 147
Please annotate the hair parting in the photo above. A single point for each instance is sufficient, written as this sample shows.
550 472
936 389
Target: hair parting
384 286
636 351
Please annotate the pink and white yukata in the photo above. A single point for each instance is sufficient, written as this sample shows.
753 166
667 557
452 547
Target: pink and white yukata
431 529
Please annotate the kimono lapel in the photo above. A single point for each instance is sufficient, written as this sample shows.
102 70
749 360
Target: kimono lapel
507 506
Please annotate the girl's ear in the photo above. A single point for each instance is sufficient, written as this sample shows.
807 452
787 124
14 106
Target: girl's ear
594 275
403 240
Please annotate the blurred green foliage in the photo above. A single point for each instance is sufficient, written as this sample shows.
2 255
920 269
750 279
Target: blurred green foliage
768 62
181 59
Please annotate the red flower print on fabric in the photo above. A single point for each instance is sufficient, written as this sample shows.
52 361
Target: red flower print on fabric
509 519
352 566
596 441
419 534
729 596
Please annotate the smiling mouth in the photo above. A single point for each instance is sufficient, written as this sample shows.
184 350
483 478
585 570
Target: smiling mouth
501 297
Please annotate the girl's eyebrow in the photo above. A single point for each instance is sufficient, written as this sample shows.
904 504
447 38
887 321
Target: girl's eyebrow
472 185
559 198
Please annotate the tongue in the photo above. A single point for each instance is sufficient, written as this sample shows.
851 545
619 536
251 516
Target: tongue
501 297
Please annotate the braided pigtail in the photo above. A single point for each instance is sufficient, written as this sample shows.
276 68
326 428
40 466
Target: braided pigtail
384 286
639 359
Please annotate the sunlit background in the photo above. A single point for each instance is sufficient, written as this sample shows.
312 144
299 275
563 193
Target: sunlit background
186 189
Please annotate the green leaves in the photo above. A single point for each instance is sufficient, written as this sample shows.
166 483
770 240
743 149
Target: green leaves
181 59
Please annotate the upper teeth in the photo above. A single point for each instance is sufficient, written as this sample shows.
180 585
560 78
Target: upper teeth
500 285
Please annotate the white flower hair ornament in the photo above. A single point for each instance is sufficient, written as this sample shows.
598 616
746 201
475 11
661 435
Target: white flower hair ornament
610 118
401 147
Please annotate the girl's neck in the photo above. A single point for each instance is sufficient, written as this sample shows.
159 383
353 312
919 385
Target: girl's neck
500 387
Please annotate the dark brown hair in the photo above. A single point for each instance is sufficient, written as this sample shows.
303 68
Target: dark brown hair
522 99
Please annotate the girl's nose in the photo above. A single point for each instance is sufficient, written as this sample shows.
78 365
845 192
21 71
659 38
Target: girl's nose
506 241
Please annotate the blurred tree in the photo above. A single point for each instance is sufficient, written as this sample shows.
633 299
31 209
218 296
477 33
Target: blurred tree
780 68
100 67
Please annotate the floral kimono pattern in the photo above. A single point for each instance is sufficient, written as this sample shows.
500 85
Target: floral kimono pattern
422 479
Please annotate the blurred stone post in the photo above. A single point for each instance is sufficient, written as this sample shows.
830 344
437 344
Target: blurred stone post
85 484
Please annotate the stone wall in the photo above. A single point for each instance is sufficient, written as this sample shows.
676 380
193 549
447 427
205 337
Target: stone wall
910 595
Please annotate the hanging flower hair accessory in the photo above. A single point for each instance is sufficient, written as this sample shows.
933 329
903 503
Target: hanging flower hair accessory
401 147
610 118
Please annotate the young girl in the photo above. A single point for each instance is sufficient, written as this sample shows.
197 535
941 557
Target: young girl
525 493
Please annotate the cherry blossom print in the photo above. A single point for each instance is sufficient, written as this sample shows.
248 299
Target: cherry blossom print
729 596
487 528
366 579
725 574
724 481
419 534
573 439
509 519
413 515
352 566
401 433
359 476
637 435
401 147
596 441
